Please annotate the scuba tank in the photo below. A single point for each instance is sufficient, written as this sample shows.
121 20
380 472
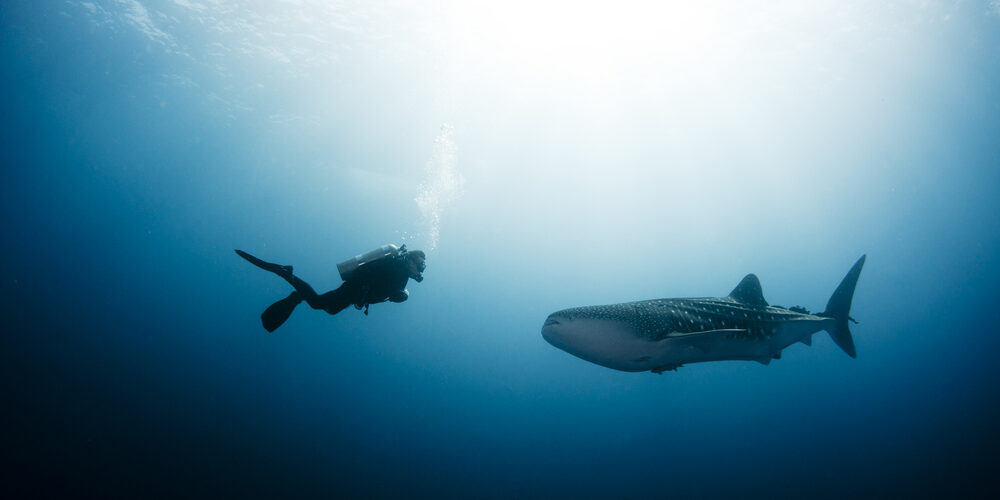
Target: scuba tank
349 266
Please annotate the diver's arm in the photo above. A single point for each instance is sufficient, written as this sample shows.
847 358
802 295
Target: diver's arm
399 296
380 281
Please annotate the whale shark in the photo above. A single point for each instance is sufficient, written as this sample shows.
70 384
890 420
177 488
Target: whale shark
664 334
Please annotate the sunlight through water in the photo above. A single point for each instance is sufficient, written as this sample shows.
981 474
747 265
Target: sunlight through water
442 185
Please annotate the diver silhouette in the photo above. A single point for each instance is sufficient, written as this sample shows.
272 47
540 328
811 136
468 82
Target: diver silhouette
369 278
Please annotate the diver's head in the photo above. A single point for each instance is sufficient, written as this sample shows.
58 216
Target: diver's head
415 264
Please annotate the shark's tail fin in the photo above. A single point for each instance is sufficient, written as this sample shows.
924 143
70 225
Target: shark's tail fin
839 308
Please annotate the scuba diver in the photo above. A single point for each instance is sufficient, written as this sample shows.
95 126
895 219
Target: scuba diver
369 278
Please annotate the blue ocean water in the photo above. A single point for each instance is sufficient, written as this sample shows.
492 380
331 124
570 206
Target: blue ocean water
544 156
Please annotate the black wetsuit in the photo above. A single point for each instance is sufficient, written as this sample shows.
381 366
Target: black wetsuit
374 282
371 283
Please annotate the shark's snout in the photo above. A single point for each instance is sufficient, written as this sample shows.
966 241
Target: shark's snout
597 335
552 330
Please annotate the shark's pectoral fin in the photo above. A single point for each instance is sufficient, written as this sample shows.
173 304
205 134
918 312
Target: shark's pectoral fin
660 369
766 360
703 341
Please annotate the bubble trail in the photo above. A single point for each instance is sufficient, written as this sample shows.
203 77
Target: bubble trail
442 185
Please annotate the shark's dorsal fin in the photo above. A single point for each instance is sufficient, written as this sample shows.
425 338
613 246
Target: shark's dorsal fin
748 292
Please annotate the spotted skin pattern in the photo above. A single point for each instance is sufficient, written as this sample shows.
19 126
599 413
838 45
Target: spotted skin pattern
663 334
655 320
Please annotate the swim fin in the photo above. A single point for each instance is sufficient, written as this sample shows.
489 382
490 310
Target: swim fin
275 315
267 266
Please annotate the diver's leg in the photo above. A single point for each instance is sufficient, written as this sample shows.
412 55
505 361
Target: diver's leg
332 302
337 300
305 292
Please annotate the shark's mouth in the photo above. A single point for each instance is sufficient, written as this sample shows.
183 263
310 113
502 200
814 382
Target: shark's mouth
551 332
